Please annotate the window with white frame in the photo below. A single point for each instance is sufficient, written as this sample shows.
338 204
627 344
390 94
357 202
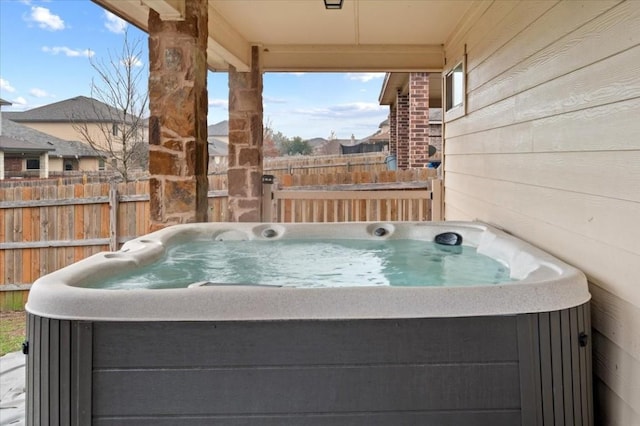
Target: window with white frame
455 91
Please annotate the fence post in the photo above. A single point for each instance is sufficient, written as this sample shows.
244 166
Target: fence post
113 216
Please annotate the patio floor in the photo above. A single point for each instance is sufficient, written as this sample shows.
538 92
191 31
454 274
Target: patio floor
12 389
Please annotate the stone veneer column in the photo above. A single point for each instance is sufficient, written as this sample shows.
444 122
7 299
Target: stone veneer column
418 119
178 155
393 136
402 131
245 142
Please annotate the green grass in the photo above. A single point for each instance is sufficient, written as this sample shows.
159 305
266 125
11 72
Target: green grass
12 331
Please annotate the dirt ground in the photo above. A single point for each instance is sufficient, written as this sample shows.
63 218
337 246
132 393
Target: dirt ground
12 331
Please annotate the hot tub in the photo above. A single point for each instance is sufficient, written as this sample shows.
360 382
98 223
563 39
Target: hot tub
210 352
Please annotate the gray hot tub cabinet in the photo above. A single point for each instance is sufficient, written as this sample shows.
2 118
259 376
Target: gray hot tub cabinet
523 369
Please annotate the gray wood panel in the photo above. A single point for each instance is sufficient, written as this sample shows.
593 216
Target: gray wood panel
567 378
529 362
319 389
58 372
556 367
45 346
450 371
65 368
468 418
555 376
54 374
81 367
546 373
575 364
189 344
588 372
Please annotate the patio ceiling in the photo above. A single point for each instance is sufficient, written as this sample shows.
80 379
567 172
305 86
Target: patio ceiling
301 35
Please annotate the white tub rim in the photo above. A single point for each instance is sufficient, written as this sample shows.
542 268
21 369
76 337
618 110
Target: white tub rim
547 284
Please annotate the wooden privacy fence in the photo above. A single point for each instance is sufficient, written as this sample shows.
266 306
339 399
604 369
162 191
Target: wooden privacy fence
44 228
359 202
323 164
407 195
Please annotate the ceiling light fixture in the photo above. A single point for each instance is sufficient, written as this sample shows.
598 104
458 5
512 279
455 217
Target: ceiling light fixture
333 4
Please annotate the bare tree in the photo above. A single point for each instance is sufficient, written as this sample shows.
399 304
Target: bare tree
113 122
269 147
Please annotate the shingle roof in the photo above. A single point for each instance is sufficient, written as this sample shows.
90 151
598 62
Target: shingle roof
218 147
17 136
79 108
219 129
9 144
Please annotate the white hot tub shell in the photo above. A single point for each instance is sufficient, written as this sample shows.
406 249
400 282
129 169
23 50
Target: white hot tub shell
512 353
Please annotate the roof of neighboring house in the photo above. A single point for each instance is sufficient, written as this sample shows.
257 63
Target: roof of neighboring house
382 135
16 138
219 129
3 102
316 142
218 147
80 108
11 145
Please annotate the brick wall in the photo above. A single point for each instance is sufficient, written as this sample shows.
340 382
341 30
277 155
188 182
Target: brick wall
418 119
402 130
393 135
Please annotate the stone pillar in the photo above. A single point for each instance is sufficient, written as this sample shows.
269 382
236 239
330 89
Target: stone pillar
1 165
178 156
402 131
418 119
393 124
245 142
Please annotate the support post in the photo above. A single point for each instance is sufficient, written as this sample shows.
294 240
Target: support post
178 155
245 142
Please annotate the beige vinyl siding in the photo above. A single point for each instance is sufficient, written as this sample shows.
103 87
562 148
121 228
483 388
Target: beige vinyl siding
549 150
68 132
60 130
88 164
56 164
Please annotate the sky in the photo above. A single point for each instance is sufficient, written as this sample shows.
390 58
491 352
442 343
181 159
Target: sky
46 46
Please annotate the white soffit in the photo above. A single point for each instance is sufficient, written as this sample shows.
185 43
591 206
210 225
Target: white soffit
301 35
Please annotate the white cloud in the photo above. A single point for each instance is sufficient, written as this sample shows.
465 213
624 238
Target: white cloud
350 110
270 100
364 76
298 74
219 103
361 107
39 93
6 86
45 19
114 24
19 101
72 53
